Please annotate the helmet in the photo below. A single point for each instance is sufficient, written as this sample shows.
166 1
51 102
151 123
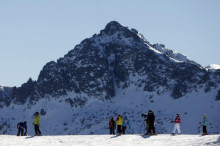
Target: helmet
177 114
204 115
37 113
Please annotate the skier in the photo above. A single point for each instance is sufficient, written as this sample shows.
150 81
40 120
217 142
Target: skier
37 124
204 124
125 123
150 123
177 122
119 124
145 119
21 126
112 126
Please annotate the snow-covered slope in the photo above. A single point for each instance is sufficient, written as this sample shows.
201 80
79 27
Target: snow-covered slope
61 118
213 67
171 53
108 140
115 72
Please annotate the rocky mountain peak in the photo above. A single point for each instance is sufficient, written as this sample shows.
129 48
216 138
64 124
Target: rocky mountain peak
116 32
115 71
113 26
118 57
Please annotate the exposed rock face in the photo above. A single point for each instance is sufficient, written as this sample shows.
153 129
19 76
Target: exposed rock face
5 93
114 72
117 57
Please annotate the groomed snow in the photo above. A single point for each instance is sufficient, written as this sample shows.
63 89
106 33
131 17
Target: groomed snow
111 140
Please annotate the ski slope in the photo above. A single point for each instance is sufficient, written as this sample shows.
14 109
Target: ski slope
111 140
93 118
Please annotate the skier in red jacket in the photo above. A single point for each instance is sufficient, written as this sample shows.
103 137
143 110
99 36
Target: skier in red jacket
112 126
177 124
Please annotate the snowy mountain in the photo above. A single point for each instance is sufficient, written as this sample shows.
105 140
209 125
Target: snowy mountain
213 67
5 92
115 71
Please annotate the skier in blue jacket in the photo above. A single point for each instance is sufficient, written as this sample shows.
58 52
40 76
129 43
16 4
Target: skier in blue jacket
21 127
204 124
125 123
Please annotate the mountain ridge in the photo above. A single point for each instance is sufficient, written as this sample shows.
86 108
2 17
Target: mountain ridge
116 68
112 46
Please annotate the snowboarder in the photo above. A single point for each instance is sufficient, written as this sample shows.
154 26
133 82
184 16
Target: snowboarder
150 123
125 123
119 124
37 124
204 124
112 126
177 122
21 127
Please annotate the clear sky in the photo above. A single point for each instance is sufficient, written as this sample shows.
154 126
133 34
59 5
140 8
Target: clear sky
33 33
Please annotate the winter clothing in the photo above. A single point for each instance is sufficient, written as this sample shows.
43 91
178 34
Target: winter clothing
150 118
123 129
125 123
176 127
37 130
112 126
37 119
150 122
204 124
177 122
37 124
145 119
119 120
119 124
204 121
21 127
204 130
20 131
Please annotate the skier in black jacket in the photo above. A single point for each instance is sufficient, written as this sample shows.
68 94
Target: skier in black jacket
21 126
150 123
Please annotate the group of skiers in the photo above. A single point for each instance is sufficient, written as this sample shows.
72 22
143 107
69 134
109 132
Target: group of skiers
122 124
21 126
177 122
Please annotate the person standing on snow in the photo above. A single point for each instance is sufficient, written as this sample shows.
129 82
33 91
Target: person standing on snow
37 124
150 123
204 124
145 119
125 123
112 126
119 124
21 127
177 122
